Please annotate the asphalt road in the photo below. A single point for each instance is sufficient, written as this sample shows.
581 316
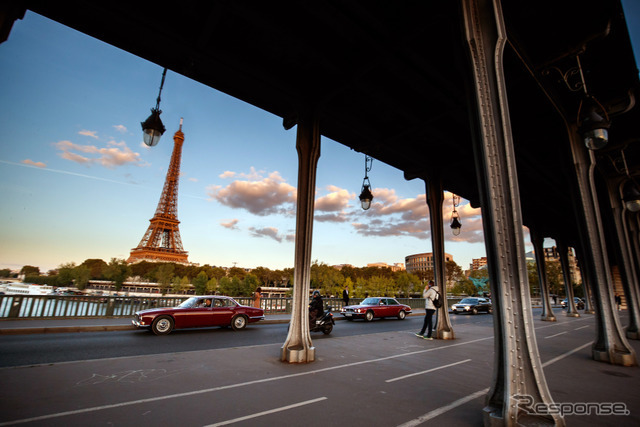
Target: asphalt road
374 374
21 350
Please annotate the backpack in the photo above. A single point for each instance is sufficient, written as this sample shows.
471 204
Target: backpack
437 302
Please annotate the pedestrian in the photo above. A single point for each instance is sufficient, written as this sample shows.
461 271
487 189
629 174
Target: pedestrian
345 296
430 293
618 301
555 299
256 297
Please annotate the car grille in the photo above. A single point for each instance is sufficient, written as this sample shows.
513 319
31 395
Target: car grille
349 310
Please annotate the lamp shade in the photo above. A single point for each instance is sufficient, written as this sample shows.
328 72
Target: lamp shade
366 197
594 124
456 225
153 128
631 197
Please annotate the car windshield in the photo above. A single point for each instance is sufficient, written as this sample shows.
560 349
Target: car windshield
469 301
370 301
188 303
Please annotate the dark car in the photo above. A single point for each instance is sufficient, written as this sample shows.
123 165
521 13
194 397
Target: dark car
198 312
577 301
371 308
473 305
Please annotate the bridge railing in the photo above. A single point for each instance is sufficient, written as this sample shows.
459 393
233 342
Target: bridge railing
65 307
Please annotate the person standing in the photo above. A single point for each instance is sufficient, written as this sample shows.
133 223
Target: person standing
618 301
430 293
257 296
345 295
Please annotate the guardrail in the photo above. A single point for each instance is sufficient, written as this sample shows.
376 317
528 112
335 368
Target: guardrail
78 306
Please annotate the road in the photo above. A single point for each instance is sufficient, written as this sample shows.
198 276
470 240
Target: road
20 350
376 374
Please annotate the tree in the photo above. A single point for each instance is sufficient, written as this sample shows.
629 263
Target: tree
117 271
164 274
96 268
212 285
5 272
200 283
65 274
81 276
224 285
249 284
30 270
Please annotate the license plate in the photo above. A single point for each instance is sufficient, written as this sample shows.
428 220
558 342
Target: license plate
348 314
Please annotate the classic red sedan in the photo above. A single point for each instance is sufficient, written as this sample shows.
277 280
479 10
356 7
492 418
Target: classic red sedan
198 312
371 308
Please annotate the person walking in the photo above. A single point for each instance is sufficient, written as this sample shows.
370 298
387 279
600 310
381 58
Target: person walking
618 301
345 296
430 293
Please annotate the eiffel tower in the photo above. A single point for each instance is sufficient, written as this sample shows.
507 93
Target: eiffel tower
161 242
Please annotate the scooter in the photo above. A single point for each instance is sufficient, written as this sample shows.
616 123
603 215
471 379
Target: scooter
324 323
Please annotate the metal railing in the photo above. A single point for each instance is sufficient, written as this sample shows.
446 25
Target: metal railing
81 306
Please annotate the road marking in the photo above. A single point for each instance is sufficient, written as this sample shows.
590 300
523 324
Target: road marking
568 353
551 336
427 371
582 327
441 410
270 411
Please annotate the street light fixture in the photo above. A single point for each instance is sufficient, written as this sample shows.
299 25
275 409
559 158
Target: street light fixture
631 197
456 225
593 123
365 195
153 127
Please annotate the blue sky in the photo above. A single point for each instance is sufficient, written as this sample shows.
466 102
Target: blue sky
76 181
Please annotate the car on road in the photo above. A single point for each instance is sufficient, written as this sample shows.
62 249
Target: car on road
473 305
376 307
577 301
198 312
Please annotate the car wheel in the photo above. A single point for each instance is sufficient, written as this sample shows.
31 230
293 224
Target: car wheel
369 316
162 325
239 322
402 315
490 310
327 329
474 310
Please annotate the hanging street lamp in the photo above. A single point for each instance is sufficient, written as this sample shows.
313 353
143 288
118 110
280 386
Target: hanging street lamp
365 195
152 127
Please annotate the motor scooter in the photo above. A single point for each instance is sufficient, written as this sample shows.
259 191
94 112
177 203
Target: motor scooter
324 323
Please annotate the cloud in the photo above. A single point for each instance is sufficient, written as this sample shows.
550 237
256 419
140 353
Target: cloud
120 128
270 232
336 200
91 133
231 224
257 194
113 155
32 163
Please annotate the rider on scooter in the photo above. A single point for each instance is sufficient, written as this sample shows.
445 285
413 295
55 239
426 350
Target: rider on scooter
316 310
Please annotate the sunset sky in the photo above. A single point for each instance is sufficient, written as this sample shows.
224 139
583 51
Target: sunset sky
76 181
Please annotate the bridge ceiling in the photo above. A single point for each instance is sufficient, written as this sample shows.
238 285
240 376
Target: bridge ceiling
392 79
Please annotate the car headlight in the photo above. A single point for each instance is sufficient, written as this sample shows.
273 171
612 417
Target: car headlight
466 307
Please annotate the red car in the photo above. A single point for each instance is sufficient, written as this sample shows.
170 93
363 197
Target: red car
198 312
370 308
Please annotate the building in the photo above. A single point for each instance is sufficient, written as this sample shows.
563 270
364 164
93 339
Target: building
422 262
398 266
552 254
478 263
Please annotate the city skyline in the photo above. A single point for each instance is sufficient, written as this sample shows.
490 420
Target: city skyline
78 183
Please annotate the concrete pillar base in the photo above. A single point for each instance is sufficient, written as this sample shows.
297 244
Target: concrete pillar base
572 314
614 357
548 318
446 335
633 335
298 354
589 312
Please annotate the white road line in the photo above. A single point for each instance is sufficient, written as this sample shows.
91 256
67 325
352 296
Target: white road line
427 371
582 327
568 353
441 410
551 336
270 411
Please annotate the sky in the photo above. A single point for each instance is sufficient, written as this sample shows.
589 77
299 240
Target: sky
77 182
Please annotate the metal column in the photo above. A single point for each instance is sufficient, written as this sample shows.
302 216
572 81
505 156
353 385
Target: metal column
517 366
435 197
547 311
298 347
